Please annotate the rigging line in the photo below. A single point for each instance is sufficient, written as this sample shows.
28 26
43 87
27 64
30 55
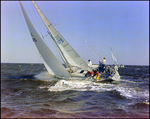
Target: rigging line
27 32
40 24
36 20
93 50
40 21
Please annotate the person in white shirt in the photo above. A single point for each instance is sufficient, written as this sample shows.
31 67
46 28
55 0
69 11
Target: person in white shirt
89 63
104 61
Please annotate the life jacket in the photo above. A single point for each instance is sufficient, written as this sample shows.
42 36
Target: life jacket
92 72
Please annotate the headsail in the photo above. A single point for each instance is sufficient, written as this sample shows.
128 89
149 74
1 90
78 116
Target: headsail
67 51
52 64
114 58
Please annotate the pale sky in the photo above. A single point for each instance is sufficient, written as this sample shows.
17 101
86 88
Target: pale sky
121 25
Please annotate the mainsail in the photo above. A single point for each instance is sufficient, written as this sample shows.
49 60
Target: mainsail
68 53
52 64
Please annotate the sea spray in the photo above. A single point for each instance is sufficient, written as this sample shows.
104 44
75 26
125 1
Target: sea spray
45 76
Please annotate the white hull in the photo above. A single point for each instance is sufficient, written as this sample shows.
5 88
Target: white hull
115 77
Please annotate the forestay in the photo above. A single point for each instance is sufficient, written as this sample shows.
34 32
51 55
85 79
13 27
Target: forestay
66 50
52 64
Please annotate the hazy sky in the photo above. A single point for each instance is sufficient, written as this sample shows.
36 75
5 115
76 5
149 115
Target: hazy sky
121 25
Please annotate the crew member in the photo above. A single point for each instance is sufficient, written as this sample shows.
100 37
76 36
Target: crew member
100 66
104 64
89 63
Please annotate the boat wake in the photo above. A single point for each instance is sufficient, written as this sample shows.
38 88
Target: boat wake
126 90
76 85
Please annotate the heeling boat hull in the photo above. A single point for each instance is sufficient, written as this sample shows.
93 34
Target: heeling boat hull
78 75
81 76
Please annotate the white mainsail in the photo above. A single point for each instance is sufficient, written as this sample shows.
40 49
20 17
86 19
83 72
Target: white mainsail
51 63
68 53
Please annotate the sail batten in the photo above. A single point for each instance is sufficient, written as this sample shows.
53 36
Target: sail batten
68 52
51 63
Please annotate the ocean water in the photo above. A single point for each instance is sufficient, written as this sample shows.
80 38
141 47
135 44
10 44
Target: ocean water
28 91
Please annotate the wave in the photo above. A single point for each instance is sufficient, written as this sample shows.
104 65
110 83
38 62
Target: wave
123 90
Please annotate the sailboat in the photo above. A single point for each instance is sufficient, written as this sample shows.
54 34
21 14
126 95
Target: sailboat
76 66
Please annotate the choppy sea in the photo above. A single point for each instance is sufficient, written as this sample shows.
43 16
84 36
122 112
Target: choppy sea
28 91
